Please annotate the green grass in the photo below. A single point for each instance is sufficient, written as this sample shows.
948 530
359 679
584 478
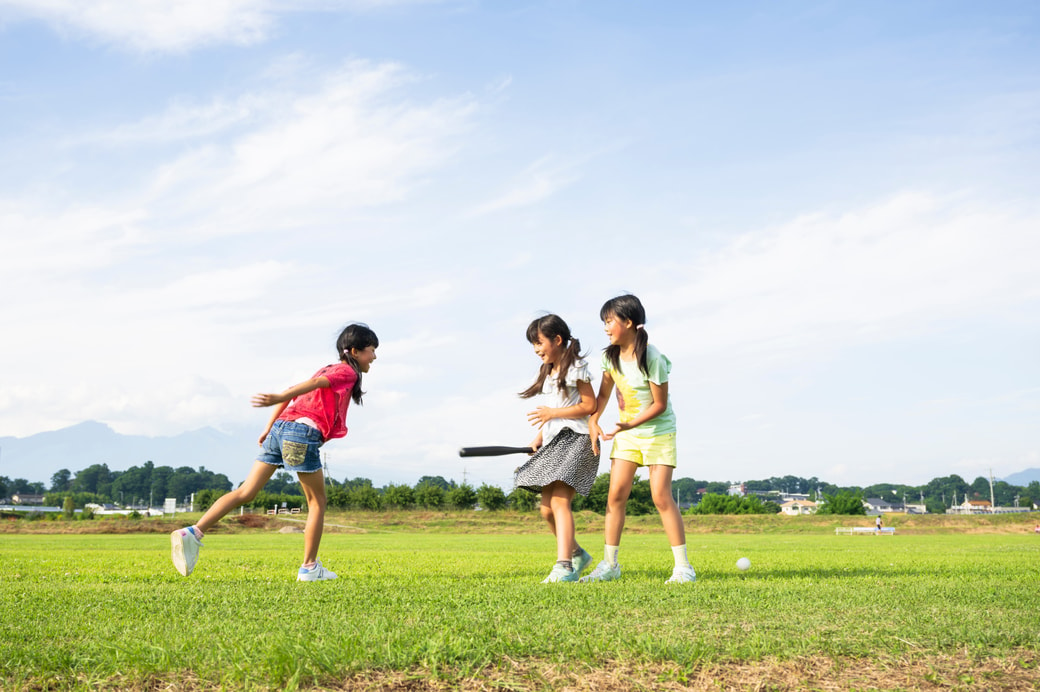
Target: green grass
83 610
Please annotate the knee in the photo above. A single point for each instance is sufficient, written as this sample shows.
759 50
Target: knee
560 504
547 512
664 502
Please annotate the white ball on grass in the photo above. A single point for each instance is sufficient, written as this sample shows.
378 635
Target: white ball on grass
743 564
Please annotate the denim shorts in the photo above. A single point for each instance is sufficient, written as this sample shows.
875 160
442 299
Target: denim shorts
294 446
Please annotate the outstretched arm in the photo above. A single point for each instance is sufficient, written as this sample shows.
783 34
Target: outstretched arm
282 399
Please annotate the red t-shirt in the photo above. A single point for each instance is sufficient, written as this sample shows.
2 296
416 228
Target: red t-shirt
326 406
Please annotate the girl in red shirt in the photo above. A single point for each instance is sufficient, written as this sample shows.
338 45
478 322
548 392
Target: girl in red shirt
304 418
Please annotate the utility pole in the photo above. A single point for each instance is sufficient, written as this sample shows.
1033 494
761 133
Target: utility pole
992 501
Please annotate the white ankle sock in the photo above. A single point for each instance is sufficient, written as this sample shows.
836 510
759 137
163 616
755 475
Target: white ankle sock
610 553
679 553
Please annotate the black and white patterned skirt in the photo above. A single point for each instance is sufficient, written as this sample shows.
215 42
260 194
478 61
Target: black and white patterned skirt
568 457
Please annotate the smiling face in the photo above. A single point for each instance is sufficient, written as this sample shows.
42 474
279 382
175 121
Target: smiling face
364 357
549 350
619 331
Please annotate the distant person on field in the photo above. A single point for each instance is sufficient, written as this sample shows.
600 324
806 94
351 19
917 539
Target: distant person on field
306 416
877 524
643 436
564 462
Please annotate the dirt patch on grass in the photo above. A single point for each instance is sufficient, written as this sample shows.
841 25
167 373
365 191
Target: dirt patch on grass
1018 671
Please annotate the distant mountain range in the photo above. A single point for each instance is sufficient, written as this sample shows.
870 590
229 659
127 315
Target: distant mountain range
1023 478
38 457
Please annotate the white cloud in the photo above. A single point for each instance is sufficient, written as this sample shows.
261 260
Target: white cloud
161 26
155 25
905 264
539 181
345 145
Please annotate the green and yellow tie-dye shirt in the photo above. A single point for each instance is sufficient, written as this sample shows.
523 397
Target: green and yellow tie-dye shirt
632 387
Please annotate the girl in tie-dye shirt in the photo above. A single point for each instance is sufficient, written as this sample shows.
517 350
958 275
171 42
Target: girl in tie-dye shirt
643 436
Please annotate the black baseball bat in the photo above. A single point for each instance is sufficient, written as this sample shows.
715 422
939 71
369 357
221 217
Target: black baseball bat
493 451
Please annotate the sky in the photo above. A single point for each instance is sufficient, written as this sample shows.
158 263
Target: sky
829 210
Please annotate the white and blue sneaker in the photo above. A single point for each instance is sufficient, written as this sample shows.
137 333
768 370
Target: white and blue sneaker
581 561
560 573
604 572
316 573
185 549
682 575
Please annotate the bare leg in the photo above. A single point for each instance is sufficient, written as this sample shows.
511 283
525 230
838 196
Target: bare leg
254 483
661 491
622 473
314 490
561 495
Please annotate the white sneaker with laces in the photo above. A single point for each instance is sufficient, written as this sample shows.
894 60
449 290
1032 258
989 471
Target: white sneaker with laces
604 572
184 550
682 575
316 573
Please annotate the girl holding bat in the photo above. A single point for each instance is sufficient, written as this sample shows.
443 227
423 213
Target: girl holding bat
643 436
304 418
564 462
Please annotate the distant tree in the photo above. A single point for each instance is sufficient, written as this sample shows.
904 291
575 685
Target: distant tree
491 497
357 483
844 502
524 500
429 495
712 503
68 507
283 483
461 497
4 483
61 481
204 499
337 496
980 489
717 487
399 496
365 497
94 479
1032 490
640 500
434 480
597 499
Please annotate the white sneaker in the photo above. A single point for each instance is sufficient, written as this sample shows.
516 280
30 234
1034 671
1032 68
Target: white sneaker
682 575
604 572
316 573
184 550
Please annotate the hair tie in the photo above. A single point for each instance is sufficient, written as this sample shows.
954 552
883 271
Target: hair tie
639 326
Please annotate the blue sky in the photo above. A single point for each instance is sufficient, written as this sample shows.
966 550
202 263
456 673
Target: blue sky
829 210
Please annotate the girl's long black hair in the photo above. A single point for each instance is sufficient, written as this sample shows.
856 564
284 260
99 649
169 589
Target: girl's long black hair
627 307
552 326
357 336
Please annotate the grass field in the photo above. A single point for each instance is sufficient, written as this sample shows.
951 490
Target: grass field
438 609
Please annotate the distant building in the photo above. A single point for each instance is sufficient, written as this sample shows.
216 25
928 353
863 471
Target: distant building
738 489
875 505
26 499
795 508
984 507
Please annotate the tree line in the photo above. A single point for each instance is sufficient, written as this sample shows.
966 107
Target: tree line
147 485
